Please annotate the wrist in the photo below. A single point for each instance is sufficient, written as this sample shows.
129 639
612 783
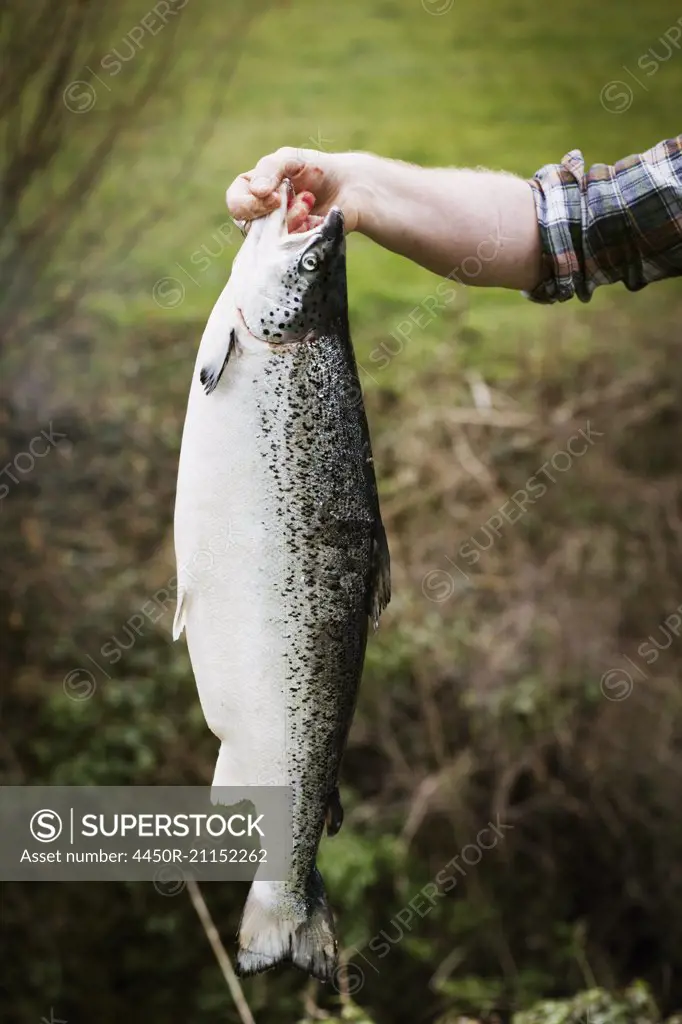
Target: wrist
354 173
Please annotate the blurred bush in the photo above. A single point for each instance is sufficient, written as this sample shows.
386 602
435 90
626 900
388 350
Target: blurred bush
485 700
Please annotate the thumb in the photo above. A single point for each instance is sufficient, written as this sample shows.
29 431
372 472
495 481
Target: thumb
267 177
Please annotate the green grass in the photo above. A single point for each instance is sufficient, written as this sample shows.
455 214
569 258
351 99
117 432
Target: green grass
507 85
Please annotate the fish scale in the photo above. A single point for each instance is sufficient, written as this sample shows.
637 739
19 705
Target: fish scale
276 443
328 526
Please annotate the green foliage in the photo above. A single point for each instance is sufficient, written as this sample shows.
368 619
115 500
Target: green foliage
595 1006
353 864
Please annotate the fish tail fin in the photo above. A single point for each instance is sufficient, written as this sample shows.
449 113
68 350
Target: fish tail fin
279 925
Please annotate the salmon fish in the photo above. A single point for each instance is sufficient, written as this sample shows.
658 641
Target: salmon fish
282 555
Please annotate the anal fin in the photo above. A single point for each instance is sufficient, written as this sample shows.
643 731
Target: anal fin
334 818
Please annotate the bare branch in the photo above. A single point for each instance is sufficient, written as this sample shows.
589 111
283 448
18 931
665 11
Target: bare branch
220 952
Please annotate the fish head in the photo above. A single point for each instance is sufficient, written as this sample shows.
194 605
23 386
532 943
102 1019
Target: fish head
289 287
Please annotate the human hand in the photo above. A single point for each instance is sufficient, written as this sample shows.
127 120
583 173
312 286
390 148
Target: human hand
320 181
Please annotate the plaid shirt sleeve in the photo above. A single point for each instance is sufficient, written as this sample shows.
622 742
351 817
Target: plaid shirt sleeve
619 223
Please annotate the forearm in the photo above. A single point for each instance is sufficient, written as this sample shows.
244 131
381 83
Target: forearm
478 227
563 233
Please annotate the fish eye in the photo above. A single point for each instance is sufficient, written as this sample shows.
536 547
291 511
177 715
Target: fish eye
309 261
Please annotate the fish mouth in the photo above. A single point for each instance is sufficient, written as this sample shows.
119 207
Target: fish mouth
277 346
331 228
243 323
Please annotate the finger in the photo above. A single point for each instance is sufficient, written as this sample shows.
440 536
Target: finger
299 210
271 170
310 177
244 205
300 166
303 197
310 222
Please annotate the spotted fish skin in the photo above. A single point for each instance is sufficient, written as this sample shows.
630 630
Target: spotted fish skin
277 624
329 516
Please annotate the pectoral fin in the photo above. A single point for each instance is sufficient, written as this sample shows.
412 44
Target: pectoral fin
380 589
212 370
